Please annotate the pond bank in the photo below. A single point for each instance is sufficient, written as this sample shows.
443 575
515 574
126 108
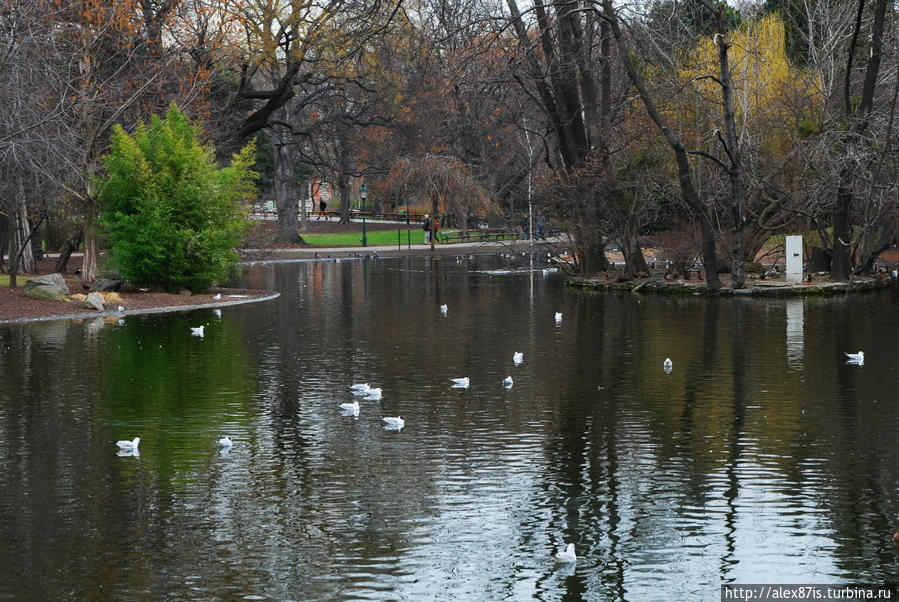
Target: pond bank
754 288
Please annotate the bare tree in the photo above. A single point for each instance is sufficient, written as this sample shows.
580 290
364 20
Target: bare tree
443 181
688 188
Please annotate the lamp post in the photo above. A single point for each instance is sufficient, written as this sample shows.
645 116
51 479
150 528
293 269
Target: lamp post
363 192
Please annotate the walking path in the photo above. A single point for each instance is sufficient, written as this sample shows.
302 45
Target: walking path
456 248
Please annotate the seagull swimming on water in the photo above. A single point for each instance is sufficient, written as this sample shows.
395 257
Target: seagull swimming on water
129 445
517 357
460 383
225 441
350 408
567 555
197 331
668 365
507 382
443 309
856 358
394 422
558 317
360 387
373 394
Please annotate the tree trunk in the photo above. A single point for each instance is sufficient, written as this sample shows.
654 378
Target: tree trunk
4 240
13 250
343 187
66 253
286 190
842 234
90 270
732 148
286 193
634 260
433 217
24 256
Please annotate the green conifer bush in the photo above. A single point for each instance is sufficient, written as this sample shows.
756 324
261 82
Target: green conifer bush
172 216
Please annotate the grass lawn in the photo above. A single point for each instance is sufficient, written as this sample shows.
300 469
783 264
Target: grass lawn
379 238
20 279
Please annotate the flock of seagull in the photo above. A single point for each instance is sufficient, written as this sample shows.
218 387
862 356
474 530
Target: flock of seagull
392 423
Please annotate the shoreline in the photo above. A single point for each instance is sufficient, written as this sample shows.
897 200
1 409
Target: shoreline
252 297
754 288
16 308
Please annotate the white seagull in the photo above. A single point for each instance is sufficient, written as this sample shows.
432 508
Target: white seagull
856 358
517 357
217 296
197 331
394 422
668 365
460 383
566 555
373 394
360 387
225 441
558 317
129 445
350 409
443 309
507 382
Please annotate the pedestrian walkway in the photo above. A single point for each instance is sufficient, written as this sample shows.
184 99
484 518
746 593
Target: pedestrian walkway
456 248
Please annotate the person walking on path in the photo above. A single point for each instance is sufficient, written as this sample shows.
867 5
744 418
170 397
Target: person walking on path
540 223
435 227
426 226
322 205
525 225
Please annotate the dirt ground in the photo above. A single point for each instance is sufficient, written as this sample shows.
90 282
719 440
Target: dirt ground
16 306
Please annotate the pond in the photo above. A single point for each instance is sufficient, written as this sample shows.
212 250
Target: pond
762 457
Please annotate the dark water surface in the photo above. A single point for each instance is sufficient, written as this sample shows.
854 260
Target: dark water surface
763 456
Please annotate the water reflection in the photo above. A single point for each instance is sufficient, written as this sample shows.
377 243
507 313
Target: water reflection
757 458
795 339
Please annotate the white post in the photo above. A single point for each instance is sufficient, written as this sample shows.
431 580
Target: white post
794 258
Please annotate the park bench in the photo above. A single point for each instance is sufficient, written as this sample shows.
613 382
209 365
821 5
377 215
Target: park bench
477 234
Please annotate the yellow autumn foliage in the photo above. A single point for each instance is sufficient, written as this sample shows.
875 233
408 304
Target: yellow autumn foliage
772 98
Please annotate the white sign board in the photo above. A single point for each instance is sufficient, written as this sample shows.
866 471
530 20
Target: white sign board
794 258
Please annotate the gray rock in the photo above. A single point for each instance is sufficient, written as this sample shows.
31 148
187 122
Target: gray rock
105 284
51 286
95 301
